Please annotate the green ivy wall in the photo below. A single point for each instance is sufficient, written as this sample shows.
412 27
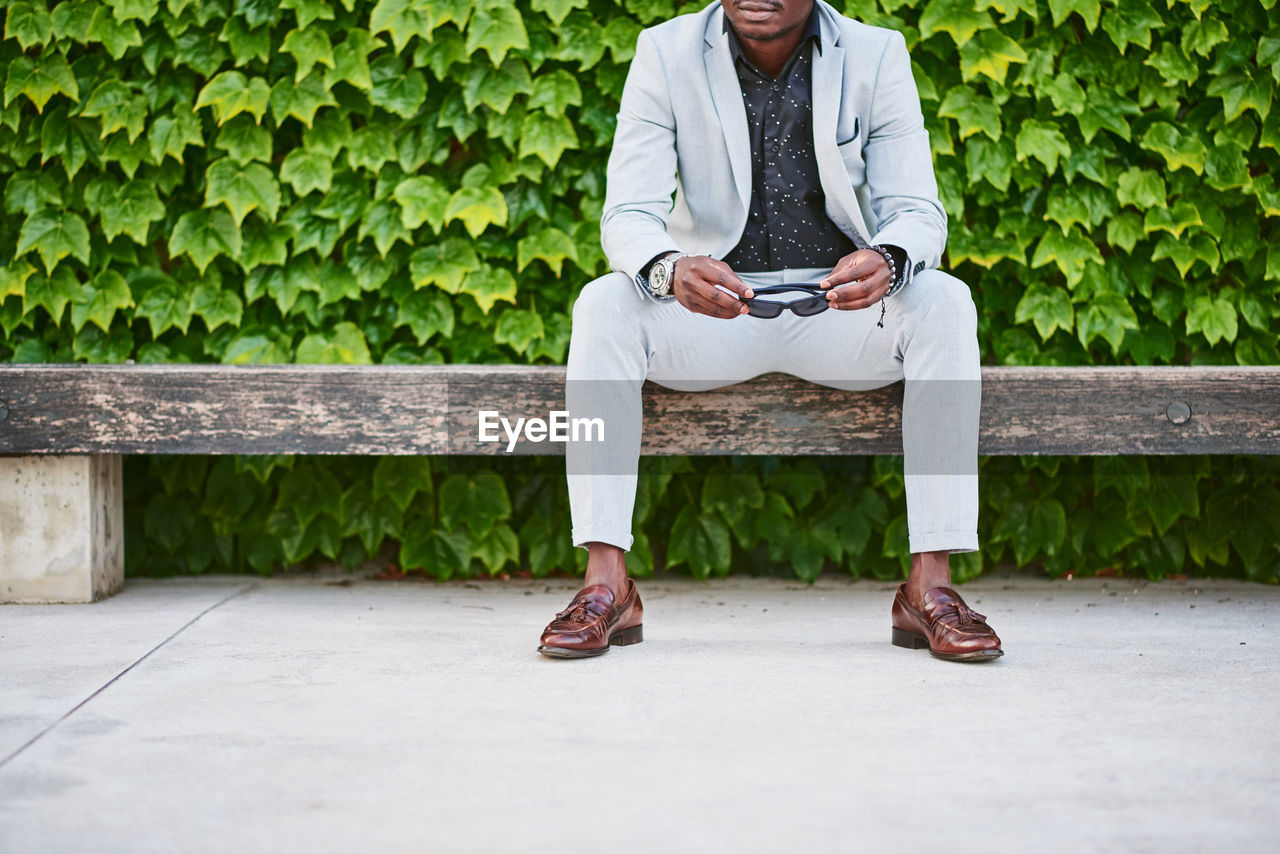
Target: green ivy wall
257 181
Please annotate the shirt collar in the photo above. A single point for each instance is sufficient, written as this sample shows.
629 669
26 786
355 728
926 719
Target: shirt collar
812 33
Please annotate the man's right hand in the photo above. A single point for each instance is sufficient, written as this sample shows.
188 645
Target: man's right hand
694 283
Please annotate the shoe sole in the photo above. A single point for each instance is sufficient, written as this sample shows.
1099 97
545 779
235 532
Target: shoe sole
911 640
626 637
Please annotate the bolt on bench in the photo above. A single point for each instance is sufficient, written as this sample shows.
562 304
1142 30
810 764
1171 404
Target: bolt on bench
63 429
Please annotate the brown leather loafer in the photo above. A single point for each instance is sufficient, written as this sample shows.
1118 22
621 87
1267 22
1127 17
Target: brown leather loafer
946 625
593 622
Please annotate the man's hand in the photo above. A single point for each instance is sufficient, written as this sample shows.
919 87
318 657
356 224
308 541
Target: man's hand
694 284
858 281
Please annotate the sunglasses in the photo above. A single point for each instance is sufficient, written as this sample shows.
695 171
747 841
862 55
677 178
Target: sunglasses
807 306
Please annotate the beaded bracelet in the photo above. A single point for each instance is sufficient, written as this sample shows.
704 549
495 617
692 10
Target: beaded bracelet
893 277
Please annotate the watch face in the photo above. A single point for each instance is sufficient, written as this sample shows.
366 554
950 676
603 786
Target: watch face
660 278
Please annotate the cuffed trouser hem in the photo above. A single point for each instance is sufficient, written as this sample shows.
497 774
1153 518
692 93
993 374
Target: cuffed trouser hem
944 541
621 539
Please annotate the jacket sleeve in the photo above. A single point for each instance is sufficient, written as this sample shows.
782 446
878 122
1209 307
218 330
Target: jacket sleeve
903 191
641 180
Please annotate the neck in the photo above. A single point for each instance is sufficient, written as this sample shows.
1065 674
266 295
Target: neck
772 54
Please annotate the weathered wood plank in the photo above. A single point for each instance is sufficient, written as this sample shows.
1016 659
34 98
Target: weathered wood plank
432 409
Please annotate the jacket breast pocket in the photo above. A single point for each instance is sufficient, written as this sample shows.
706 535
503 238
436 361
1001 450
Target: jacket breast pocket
851 155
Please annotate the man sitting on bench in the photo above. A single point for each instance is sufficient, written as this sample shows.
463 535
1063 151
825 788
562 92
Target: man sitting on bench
783 130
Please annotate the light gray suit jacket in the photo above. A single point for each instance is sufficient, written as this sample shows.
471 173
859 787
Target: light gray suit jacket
682 130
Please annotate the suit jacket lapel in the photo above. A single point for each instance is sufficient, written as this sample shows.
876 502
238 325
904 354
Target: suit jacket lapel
727 97
842 205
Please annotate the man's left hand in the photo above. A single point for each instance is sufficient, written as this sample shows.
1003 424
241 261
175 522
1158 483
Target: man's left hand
858 281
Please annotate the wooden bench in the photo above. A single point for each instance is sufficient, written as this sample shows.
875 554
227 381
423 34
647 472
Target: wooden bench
63 429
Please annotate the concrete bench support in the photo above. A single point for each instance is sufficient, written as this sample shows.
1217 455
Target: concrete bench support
61 528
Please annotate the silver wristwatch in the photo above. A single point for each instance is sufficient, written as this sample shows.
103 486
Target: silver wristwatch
662 274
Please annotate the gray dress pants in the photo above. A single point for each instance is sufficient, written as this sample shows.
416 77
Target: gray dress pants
622 337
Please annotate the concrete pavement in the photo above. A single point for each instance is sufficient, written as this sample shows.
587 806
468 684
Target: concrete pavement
241 714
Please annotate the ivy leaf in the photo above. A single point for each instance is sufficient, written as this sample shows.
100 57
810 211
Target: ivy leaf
230 93
1048 307
1173 220
13 280
444 263
496 29
300 100
578 38
306 11
1240 91
555 92
344 344
369 519
620 37
1215 319
958 18
55 235
204 235
71 20
1131 22
402 19
475 500
382 221
255 346
517 328
117 36
27 192
242 188
246 43
216 304
29 23
308 46
118 108
701 541
446 50
264 243
133 208
1042 141
167 303
991 53
99 299
39 80
172 133
426 313
552 245
558 10
477 208
442 553
972 112
488 285
1200 37
496 547
1141 188
1106 110
72 139
1186 252
1071 252
396 90
53 291
306 170
1176 148
496 87
1088 10
422 198
1170 497
351 61
1108 315
399 479
244 140
547 137
1172 64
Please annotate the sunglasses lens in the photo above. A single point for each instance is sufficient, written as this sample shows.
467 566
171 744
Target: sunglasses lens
811 306
764 308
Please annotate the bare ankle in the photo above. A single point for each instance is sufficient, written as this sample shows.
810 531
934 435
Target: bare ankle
607 565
